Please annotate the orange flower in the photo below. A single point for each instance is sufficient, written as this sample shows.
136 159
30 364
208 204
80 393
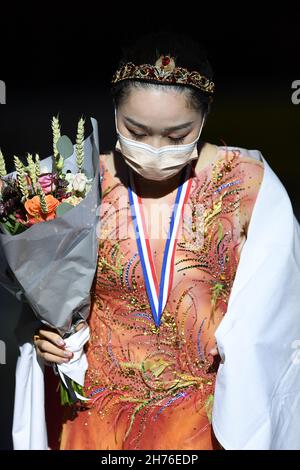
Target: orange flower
33 207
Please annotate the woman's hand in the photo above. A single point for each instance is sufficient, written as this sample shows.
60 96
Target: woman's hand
51 347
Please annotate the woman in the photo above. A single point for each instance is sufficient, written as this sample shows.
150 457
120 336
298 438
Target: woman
174 219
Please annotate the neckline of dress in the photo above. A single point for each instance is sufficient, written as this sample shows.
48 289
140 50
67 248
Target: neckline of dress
221 150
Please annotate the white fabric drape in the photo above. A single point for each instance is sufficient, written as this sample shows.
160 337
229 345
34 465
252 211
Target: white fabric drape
29 423
257 394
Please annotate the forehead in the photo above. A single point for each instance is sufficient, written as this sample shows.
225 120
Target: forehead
157 106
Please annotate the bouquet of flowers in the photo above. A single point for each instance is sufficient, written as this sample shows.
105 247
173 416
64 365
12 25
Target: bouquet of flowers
49 215
37 194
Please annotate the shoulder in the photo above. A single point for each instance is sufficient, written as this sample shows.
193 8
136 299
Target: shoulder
222 159
251 168
113 168
106 160
244 166
251 172
246 157
245 163
104 156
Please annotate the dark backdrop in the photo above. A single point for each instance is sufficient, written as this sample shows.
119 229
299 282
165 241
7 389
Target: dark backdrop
60 60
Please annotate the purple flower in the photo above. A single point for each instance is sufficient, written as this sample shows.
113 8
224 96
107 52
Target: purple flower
45 182
61 189
11 190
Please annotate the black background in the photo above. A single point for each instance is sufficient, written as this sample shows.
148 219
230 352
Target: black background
59 58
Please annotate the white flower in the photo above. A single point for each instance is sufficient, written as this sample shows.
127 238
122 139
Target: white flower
73 200
88 185
79 182
69 177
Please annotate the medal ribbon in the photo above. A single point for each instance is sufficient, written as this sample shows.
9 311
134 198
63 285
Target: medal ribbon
158 293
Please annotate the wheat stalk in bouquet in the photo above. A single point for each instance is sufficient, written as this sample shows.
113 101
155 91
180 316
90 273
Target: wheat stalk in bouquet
35 195
48 230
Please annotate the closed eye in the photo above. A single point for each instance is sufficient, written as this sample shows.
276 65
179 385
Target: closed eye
175 140
137 136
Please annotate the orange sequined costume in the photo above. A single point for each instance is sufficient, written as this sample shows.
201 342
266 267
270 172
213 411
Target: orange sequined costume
152 388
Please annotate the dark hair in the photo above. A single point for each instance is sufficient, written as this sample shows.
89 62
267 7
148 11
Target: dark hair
187 53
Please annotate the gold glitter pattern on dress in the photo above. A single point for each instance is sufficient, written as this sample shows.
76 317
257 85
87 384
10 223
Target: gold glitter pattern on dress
140 377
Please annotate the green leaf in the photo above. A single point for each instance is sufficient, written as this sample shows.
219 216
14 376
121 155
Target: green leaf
19 228
12 227
65 398
64 146
63 208
6 228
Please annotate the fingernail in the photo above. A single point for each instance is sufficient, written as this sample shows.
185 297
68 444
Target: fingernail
66 360
68 353
60 342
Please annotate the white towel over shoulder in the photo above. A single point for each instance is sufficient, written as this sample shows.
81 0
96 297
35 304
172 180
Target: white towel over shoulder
257 394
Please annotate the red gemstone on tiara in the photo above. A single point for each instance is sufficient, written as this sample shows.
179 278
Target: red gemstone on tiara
165 61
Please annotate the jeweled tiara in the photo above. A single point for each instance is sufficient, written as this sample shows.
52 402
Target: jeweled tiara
164 71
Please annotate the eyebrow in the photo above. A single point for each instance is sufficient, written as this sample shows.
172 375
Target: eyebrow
166 129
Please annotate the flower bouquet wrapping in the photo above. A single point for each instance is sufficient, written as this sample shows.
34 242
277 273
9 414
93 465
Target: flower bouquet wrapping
49 215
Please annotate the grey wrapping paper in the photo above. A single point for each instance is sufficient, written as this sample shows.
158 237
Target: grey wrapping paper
52 264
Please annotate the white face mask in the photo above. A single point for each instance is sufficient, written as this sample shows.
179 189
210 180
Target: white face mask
156 163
